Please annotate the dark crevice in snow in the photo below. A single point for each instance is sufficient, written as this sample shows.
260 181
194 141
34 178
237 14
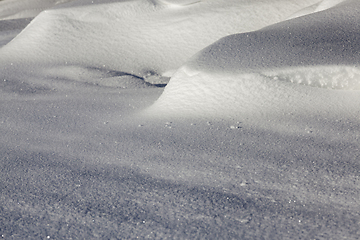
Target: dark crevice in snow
151 79
101 76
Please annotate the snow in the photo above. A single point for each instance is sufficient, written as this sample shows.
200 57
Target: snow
143 38
251 72
14 9
326 4
255 135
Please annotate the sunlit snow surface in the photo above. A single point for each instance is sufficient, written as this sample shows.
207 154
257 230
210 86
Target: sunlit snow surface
142 38
256 135
274 67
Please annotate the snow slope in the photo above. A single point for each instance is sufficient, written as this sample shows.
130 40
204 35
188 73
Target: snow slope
141 38
256 136
301 66
14 9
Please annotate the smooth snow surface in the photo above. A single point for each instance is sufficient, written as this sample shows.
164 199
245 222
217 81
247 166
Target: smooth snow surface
178 2
142 37
255 136
291 67
14 9
326 4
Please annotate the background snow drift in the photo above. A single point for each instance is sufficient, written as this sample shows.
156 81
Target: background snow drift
255 136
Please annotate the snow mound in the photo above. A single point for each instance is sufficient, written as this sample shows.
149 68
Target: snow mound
134 37
223 95
302 66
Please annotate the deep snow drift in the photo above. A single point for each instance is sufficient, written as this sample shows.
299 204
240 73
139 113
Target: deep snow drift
142 38
256 135
295 66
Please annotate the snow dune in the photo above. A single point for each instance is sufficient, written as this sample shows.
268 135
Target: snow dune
140 38
300 66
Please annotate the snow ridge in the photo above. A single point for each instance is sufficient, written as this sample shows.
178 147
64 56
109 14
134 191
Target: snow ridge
133 37
292 66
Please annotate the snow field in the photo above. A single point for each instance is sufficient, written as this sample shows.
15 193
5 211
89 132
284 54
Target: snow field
255 136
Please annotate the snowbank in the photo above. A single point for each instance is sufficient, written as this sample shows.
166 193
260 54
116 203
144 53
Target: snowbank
305 66
142 38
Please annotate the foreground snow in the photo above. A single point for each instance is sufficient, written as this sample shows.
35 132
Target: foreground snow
255 136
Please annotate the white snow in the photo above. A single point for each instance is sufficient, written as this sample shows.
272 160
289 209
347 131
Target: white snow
317 7
255 136
142 37
251 72
13 9
326 4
